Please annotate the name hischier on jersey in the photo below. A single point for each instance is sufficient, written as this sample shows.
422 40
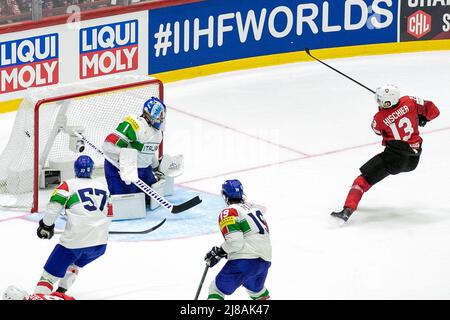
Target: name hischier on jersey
390 119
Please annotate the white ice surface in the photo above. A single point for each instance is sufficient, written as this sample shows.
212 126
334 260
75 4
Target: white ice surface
295 135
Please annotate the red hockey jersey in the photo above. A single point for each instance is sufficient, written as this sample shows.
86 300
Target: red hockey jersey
51 296
402 121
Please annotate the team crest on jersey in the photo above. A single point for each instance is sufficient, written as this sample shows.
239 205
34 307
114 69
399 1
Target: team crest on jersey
227 221
227 218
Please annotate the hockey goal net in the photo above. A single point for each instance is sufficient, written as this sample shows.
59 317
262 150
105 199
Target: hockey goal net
41 151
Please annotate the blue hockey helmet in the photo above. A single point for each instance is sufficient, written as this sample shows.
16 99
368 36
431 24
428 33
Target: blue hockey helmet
232 190
83 167
154 112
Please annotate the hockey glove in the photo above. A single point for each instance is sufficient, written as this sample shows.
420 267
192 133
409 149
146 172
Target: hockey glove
422 120
214 256
44 231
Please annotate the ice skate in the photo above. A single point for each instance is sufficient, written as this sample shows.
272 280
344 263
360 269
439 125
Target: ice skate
342 215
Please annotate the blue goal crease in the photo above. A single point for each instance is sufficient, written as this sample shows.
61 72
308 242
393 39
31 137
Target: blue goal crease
199 220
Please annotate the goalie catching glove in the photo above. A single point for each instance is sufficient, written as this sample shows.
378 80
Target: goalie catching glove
171 166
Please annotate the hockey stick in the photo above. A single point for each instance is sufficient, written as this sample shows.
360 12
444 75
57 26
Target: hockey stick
146 188
201 282
131 232
341 73
139 232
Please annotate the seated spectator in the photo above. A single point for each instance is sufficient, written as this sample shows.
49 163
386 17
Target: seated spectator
11 8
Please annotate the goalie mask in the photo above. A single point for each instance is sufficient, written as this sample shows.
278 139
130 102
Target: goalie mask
154 112
387 96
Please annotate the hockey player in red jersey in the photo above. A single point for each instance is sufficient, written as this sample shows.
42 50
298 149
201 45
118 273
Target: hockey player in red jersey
16 293
397 121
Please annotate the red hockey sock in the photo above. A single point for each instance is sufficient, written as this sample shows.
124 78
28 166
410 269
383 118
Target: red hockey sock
360 185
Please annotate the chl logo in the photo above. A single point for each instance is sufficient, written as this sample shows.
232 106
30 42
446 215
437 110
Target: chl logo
419 24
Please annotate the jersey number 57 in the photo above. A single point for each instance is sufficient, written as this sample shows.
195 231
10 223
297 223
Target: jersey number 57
88 196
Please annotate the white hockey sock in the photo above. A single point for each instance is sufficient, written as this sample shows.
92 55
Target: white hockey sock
263 294
69 277
45 284
214 293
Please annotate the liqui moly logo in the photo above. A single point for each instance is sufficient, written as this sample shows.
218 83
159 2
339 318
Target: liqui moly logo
108 49
30 62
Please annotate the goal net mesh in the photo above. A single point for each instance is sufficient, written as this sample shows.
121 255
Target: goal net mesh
95 107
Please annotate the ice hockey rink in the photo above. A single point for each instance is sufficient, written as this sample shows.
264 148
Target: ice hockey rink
295 135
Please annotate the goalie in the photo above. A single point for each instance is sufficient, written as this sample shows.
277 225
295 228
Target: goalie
134 145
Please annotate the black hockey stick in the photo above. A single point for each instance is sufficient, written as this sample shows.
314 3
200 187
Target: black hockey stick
341 73
139 232
131 232
186 205
201 282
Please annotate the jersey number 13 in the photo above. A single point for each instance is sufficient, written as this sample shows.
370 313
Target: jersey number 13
407 128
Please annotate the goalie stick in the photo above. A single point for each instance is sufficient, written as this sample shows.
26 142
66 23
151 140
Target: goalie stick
341 73
146 188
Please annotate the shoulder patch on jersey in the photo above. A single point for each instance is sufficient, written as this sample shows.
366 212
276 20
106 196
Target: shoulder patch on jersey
419 101
132 122
228 217
62 186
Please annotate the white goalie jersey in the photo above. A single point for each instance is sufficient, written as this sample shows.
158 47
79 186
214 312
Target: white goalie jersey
135 133
245 232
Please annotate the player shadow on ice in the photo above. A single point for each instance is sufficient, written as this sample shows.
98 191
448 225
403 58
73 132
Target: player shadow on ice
397 216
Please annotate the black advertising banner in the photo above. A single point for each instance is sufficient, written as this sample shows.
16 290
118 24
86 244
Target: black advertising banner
424 20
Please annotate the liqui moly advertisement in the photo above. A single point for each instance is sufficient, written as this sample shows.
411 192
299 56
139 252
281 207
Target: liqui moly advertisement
108 49
29 62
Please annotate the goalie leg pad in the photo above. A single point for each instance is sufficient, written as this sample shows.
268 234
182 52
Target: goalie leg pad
128 206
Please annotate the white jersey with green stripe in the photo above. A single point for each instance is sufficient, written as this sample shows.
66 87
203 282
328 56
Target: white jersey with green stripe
134 132
246 233
87 207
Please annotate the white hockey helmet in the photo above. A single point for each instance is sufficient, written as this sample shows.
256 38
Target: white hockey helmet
14 293
387 96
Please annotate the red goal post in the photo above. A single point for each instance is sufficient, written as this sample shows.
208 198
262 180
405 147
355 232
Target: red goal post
96 107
